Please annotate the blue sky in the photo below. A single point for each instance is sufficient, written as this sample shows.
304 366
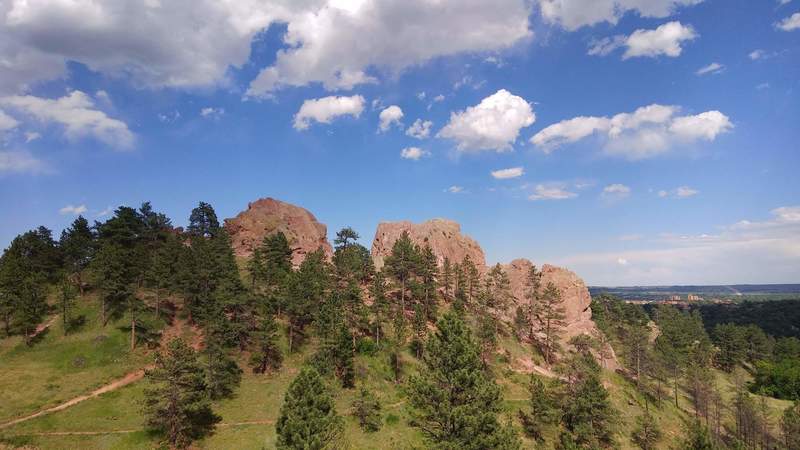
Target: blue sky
633 141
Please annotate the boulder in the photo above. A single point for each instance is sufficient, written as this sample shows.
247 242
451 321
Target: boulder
267 216
444 237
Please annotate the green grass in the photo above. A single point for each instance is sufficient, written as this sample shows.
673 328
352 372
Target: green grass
59 367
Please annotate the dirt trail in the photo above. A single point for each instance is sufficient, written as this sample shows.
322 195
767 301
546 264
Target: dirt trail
97 433
44 326
174 330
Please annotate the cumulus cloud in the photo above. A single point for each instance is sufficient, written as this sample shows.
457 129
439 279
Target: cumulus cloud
512 172
21 161
616 191
456 190
341 44
679 192
413 153
493 124
324 110
765 251
210 112
177 43
712 68
77 113
665 40
756 54
790 23
420 129
553 191
573 14
72 210
649 131
7 122
390 116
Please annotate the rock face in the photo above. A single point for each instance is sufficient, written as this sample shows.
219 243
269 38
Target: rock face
573 291
267 216
444 237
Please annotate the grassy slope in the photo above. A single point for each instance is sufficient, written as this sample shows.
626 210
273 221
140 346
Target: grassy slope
60 367
44 375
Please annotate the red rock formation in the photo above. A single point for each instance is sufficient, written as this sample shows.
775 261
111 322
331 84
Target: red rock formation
573 291
444 236
267 216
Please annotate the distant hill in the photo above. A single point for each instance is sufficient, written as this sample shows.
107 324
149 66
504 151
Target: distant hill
734 292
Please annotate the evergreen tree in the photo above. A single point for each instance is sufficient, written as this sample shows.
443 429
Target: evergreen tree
114 278
420 325
308 289
277 260
161 275
400 265
308 418
77 244
447 279
790 426
32 304
367 409
587 411
471 278
380 305
551 317
533 284
542 410
203 221
266 354
66 300
456 403
428 272
646 434
176 404
223 375
697 438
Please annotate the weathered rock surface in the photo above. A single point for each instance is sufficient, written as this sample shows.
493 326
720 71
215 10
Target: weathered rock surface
267 216
573 290
444 237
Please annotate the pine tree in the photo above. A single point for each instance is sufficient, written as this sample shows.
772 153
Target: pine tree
697 438
114 278
380 305
367 409
308 418
77 244
551 317
176 404
400 265
203 221
471 277
587 411
266 354
428 272
542 410
161 275
447 279
790 425
533 284
223 375
66 300
646 434
308 289
32 304
456 403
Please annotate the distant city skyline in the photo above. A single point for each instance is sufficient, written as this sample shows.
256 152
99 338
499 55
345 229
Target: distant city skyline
635 143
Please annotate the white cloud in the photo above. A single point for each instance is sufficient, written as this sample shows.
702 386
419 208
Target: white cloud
679 192
413 153
762 86
622 261
77 113
493 124
553 191
420 129
341 47
73 210
177 43
756 54
504 174
456 190
7 122
712 68
324 110
573 14
389 116
31 136
790 23
649 131
21 162
664 40
746 252
421 95
616 191
105 212
169 117
438 98
210 112
604 46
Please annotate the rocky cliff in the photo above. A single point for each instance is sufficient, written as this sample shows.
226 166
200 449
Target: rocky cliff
267 216
443 236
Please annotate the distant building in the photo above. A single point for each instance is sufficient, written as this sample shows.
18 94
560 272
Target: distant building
675 298
694 298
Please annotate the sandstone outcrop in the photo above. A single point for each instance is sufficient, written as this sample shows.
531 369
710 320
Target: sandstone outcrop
267 216
573 291
444 237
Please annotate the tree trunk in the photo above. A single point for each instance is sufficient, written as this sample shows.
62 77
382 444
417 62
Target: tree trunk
103 310
158 303
133 329
290 336
403 299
